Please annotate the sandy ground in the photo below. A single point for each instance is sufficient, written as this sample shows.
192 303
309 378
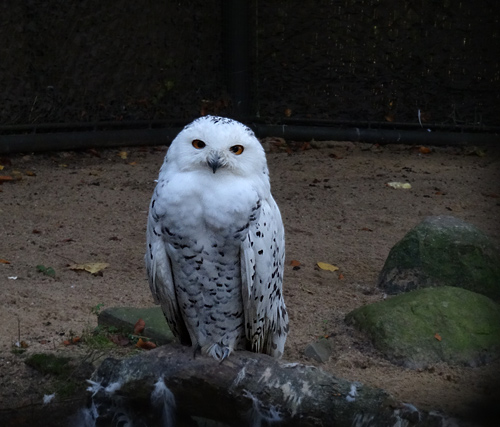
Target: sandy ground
91 206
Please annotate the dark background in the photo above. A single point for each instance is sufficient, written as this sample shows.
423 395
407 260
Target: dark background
349 62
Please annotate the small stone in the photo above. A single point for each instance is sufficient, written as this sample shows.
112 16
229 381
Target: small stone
319 350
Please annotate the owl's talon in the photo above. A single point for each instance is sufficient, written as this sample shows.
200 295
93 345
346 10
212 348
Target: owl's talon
225 353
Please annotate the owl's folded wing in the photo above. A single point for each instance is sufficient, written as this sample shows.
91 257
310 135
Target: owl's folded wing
161 281
262 263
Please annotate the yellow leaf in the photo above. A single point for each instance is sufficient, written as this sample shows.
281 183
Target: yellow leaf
1 167
326 266
403 185
123 154
91 267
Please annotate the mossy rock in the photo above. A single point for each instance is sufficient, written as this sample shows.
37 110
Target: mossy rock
443 251
48 363
124 319
430 325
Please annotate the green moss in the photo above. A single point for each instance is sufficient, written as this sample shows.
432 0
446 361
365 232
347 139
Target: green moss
433 324
49 364
443 251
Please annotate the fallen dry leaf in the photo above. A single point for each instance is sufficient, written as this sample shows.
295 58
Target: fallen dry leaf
91 267
5 178
294 263
424 150
438 337
326 266
120 340
341 276
139 327
4 261
398 185
146 345
123 154
30 173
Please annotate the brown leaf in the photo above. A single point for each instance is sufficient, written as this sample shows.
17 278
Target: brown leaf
492 195
341 276
4 261
424 150
30 173
139 326
437 336
120 340
294 263
5 178
71 341
94 152
146 345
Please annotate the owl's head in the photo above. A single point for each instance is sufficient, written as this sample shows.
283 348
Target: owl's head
218 145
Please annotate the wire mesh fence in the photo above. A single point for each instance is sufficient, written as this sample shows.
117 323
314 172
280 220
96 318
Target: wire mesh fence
351 61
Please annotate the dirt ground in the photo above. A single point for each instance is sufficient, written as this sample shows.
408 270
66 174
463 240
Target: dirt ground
91 206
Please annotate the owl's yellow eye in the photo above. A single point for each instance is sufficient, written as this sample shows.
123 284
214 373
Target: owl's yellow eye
237 149
198 143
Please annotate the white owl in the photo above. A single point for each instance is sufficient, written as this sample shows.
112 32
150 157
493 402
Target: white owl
215 242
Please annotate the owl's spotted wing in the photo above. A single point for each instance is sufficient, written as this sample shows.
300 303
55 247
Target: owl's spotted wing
161 280
262 262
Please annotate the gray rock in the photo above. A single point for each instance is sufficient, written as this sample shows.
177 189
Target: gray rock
431 325
443 251
124 318
319 350
247 389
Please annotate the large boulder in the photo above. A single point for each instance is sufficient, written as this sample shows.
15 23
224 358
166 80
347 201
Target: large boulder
443 251
169 384
430 325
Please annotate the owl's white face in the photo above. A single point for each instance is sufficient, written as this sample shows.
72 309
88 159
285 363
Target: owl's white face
217 145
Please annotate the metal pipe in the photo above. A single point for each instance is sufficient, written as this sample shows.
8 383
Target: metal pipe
84 140
139 137
376 136
236 41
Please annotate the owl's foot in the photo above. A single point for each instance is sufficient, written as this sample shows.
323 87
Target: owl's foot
197 349
217 351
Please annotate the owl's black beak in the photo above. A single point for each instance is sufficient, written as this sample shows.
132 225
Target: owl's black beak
214 162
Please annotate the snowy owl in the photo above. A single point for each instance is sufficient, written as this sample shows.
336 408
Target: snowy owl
215 242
